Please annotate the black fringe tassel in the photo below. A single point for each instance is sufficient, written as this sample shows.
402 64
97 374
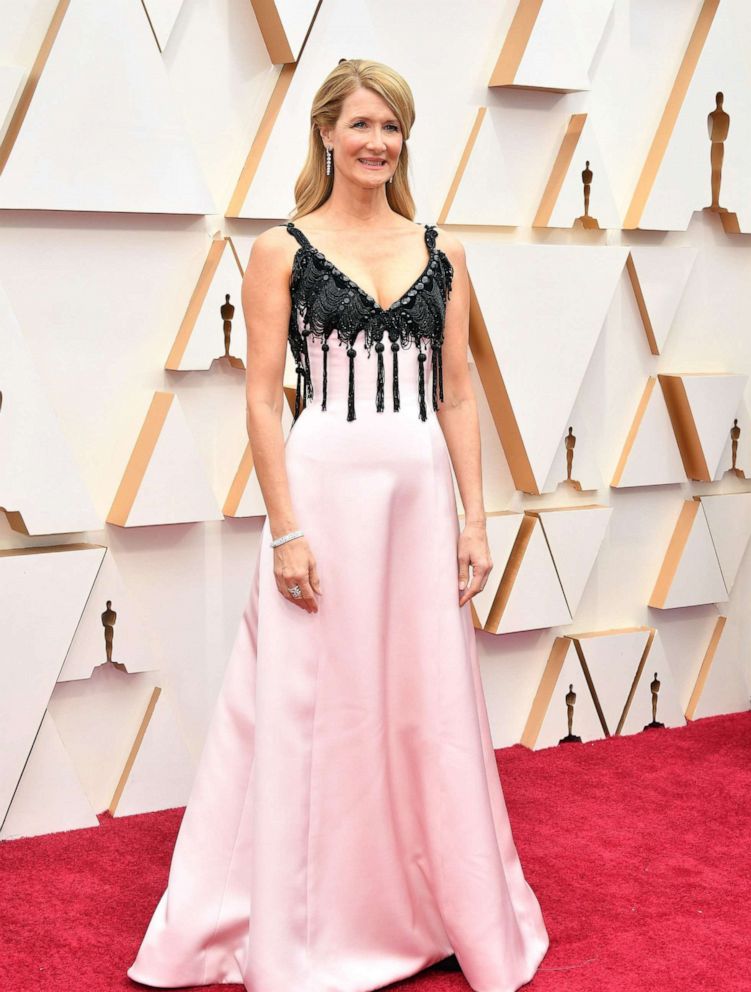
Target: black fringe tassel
351 404
434 379
306 367
297 390
440 371
421 359
381 377
325 350
395 377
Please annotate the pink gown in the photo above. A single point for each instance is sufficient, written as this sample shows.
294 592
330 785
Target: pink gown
346 827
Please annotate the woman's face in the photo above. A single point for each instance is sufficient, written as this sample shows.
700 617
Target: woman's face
366 140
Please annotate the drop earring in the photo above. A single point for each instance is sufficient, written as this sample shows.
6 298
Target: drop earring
328 161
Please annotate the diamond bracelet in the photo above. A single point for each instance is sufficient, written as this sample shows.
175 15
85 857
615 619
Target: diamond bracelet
286 537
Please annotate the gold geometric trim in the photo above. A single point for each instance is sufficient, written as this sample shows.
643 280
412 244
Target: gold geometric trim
674 553
590 683
706 664
510 573
461 168
633 431
498 400
140 458
272 31
144 726
516 43
239 483
545 689
684 427
261 139
560 170
641 304
637 676
32 81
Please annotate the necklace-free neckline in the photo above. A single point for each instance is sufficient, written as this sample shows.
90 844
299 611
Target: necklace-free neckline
401 300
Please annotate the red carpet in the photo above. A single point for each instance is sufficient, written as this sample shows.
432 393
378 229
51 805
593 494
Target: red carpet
639 849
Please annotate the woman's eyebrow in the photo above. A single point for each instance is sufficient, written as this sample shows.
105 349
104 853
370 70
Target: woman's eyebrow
364 117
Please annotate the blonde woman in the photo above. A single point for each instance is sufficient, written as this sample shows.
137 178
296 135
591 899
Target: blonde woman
347 827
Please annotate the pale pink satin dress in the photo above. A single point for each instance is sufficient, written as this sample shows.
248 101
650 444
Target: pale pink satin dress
347 827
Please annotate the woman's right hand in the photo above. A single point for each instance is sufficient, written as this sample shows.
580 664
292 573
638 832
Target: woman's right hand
294 564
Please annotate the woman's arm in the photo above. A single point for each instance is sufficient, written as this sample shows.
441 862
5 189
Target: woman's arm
457 415
266 307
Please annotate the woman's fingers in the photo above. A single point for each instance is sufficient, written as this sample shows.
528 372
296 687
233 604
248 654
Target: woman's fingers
480 572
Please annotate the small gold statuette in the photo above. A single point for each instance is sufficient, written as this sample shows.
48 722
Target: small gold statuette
735 433
655 687
718 126
569 441
590 223
227 312
109 618
571 737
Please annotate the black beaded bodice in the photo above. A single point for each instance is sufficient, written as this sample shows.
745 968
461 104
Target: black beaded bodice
329 303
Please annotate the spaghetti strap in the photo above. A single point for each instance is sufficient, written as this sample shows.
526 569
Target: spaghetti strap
298 235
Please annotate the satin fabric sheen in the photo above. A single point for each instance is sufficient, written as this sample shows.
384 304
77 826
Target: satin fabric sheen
346 827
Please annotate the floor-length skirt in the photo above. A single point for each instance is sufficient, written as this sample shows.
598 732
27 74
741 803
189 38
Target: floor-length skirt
346 826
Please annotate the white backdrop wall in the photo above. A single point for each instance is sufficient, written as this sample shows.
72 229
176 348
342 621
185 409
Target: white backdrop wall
98 265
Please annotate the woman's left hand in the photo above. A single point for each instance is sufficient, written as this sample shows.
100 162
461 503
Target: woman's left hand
473 550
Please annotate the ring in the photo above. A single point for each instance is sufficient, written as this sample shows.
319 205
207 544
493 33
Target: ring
295 592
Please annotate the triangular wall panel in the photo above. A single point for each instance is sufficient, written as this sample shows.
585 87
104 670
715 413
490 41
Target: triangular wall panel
729 519
41 489
550 44
663 702
574 535
720 685
650 455
563 201
675 180
164 481
659 276
612 661
213 314
50 584
532 349
530 595
690 573
159 770
132 151
49 796
130 646
702 407
548 721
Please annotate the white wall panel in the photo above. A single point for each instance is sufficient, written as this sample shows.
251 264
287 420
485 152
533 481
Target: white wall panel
103 131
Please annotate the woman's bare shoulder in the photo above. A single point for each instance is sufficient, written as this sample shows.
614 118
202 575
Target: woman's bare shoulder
449 244
273 239
274 249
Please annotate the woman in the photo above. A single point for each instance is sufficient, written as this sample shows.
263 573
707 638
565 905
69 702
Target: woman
347 827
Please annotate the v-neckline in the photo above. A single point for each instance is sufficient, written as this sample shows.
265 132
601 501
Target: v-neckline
368 296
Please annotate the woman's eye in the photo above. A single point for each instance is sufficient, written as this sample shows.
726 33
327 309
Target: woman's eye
394 126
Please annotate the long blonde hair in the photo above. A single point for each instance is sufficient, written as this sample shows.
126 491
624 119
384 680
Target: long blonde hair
313 186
